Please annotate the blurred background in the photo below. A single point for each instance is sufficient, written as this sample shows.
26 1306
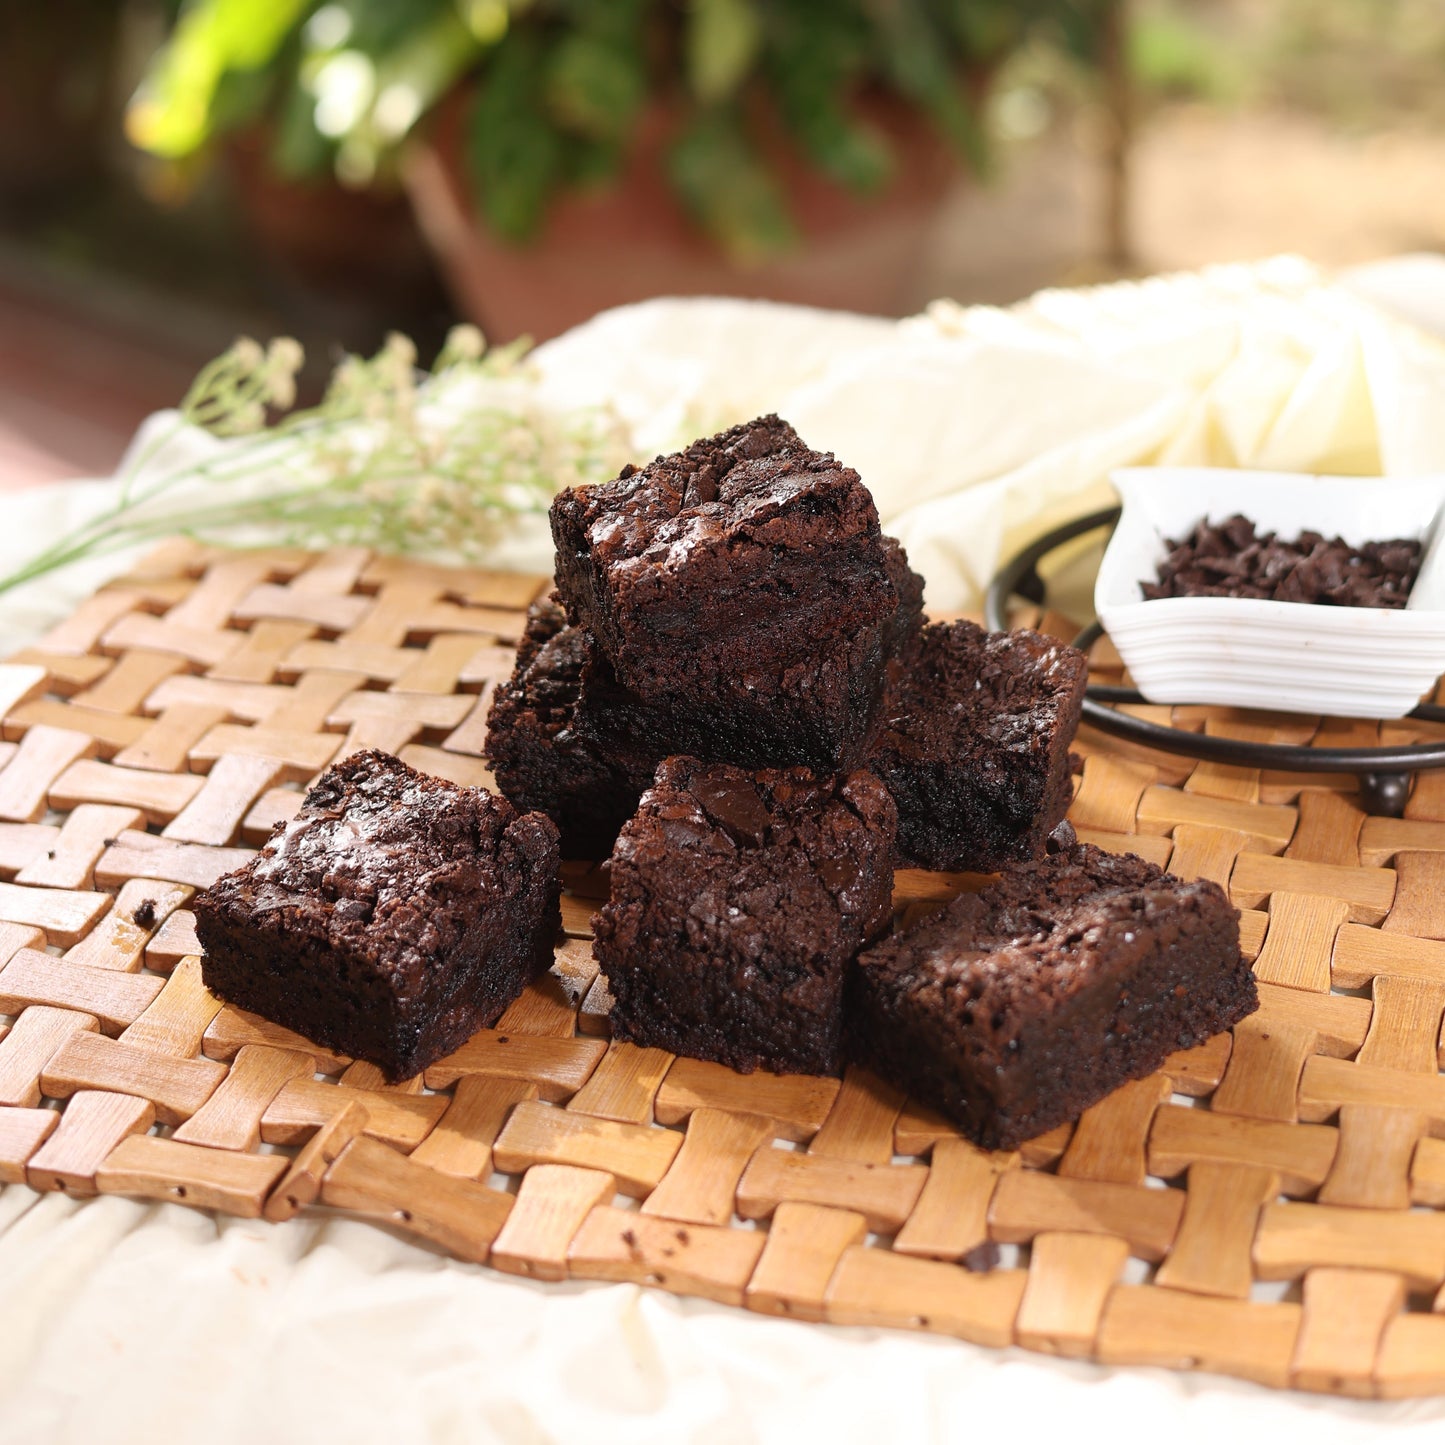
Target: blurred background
172 175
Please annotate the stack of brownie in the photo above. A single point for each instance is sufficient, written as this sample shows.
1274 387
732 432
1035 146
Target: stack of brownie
734 692
735 674
738 603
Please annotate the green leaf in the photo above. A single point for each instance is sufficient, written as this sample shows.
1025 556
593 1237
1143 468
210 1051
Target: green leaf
173 112
594 86
815 55
722 42
514 153
917 59
592 163
727 189
299 149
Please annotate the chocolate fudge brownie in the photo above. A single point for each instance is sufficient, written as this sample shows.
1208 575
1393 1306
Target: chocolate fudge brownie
1013 1009
974 745
816 712
738 900
794 716
741 583
545 758
390 919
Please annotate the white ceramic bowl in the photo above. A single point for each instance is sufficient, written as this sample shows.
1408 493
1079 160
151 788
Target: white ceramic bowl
1281 656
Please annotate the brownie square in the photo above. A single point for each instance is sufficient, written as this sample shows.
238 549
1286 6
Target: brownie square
1013 1009
974 745
394 916
742 584
738 899
544 755
793 717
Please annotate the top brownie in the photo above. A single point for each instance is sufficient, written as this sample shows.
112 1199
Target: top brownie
740 555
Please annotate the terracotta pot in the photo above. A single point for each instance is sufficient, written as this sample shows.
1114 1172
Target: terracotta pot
632 240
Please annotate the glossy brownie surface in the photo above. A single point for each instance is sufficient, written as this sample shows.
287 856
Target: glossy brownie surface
734 558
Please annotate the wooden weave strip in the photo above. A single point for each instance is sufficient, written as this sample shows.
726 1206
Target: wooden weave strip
1265 1206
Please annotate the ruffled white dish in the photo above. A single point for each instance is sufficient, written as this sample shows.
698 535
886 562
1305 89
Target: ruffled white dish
1281 656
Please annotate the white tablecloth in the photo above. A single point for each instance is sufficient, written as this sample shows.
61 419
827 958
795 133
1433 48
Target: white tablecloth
129 1322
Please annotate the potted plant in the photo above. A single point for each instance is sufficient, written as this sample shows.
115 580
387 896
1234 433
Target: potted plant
566 155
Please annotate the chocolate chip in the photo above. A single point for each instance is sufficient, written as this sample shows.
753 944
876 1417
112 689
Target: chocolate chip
1062 840
1232 559
145 913
838 873
734 805
702 485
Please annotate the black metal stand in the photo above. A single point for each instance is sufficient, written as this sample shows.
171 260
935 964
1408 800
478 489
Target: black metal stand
1385 774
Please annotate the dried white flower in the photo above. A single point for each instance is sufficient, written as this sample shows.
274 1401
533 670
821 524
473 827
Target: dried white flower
400 348
374 464
246 353
464 343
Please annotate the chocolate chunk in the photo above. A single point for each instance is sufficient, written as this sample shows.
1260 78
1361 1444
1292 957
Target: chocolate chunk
702 485
733 803
1232 559
838 873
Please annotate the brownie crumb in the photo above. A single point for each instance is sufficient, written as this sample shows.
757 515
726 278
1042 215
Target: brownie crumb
145 913
981 1258
1233 559
740 593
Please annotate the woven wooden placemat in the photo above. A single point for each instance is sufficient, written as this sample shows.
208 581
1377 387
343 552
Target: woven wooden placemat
1266 1206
